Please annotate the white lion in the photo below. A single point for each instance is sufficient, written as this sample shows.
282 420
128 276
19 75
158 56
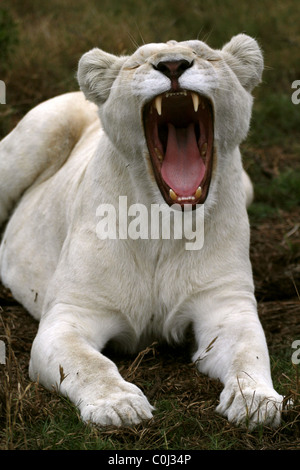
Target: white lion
172 118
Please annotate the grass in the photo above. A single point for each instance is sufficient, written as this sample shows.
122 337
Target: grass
40 44
48 38
282 192
184 417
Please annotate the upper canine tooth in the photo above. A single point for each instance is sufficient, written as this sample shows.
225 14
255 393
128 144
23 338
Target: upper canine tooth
195 99
157 102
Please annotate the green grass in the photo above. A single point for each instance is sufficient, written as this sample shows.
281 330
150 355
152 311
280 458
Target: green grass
274 118
281 193
48 38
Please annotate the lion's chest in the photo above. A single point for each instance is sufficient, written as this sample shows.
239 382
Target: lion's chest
150 284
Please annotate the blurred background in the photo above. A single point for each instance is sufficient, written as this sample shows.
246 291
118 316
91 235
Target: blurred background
42 41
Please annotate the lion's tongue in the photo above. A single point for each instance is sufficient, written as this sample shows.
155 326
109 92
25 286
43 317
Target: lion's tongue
183 168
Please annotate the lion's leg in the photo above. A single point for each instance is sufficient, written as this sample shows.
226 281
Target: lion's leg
232 348
65 355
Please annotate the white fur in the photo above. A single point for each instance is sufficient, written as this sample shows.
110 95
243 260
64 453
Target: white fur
59 164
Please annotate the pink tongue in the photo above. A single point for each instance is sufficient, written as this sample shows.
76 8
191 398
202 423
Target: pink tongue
183 168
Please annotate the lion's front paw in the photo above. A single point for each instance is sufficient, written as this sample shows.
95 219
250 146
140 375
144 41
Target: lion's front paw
119 408
250 406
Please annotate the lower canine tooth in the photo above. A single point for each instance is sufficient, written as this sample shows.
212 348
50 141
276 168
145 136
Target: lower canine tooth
172 194
198 192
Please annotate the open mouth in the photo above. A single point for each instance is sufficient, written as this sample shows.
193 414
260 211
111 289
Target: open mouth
179 134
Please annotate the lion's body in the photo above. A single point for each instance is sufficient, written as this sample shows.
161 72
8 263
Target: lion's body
60 164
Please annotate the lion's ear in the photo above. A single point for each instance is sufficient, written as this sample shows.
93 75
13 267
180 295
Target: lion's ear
97 70
245 58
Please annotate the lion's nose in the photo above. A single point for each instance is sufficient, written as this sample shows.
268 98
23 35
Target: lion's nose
173 69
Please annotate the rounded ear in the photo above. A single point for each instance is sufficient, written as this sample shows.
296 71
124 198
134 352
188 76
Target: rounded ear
245 58
97 70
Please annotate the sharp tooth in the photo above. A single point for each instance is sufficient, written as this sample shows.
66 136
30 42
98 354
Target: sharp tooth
195 99
204 149
158 154
157 103
186 198
172 194
198 192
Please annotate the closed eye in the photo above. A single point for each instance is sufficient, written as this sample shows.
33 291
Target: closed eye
132 67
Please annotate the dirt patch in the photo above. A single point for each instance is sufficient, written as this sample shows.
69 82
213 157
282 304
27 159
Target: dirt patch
275 256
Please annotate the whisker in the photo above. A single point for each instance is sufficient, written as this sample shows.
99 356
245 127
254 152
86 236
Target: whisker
206 36
140 34
133 40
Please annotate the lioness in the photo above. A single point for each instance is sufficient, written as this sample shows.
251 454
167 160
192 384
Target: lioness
172 117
